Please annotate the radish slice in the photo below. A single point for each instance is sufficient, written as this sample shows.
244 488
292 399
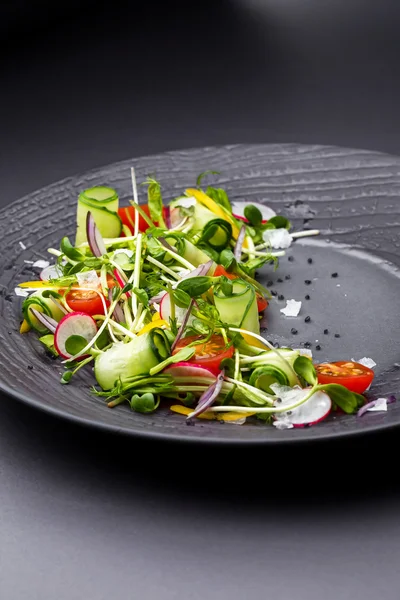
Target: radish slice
189 370
74 323
165 311
311 412
238 210
50 272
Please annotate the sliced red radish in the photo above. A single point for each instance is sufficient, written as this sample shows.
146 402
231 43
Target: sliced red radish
165 311
50 272
77 324
311 412
238 210
187 370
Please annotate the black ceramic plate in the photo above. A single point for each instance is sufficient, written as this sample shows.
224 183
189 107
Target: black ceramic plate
352 196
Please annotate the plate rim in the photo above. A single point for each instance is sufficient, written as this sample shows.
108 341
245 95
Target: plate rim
159 436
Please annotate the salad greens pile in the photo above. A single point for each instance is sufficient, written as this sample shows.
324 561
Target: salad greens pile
162 301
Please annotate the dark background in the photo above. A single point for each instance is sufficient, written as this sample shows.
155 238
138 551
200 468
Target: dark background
85 515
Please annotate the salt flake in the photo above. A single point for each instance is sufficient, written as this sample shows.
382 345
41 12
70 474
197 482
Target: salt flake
366 362
292 308
277 238
22 245
28 262
41 264
380 405
20 292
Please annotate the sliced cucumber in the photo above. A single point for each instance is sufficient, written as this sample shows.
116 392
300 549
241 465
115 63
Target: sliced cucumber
240 308
41 304
264 376
137 357
217 233
103 203
186 249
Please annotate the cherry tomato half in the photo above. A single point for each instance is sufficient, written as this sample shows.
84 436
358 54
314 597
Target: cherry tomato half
352 375
87 301
208 355
262 302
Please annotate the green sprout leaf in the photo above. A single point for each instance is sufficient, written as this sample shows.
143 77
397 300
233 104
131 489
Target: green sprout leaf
348 401
280 222
220 197
253 215
74 344
66 377
204 174
70 252
304 367
195 286
144 403
227 259
226 286
141 296
183 355
181 298
155 202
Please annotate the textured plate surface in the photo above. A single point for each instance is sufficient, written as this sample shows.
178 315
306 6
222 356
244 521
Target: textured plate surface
352 196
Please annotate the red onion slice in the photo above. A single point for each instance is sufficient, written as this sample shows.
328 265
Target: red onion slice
45 320
237 251
168 217
183 325
94 238
371 404
208 397
118 313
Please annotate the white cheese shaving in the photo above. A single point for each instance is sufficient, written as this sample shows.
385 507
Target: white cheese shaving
366 362
20 292
186 202
292 308
277 238
238 421
303 352
380 405
28 262
41 264
89 279
22 245
127 251
282 424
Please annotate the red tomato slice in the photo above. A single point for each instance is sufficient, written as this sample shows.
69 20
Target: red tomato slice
87 301
208 355
352 375
262 303
127 215
221 271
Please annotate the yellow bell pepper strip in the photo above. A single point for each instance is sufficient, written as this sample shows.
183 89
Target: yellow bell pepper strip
38 284
152 325
211 416
25 327
216 209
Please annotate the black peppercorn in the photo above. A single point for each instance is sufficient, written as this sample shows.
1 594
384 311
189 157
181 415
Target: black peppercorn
293 330
334 275
307 319
309 260
307 297
307 281
326 331
281 297
337 335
